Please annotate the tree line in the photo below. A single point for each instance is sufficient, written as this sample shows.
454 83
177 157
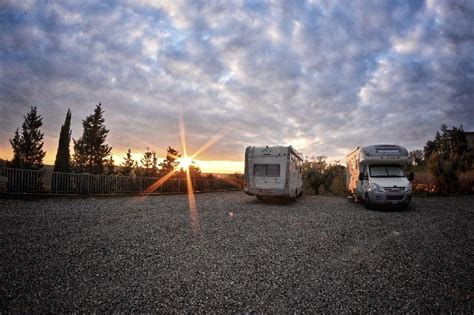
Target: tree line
447 157
91 152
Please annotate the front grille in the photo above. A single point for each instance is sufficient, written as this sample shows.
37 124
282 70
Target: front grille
396 197
394 189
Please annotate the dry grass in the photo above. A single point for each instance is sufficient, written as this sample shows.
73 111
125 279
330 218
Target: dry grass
425 183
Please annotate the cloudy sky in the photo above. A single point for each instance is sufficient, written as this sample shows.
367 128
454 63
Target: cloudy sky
324 76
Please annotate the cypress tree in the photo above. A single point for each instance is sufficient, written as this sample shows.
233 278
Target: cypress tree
62 162
170 162
128 164
149 164
27 146
110 166
90 150
16 144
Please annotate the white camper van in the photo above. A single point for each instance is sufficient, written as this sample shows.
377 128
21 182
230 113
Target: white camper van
273 172
374 173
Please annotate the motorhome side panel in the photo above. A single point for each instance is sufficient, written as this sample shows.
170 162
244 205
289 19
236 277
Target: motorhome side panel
295 176
291 183
352 170
247 173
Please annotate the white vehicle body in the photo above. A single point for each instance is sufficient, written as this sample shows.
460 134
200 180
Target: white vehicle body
273 172
374 173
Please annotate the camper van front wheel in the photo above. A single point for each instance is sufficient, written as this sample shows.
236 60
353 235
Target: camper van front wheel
367 203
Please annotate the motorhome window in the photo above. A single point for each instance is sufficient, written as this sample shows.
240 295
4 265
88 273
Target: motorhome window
260 170
386 171
273 170
267 170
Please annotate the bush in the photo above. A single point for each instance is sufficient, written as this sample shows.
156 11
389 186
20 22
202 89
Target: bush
449 158
322 178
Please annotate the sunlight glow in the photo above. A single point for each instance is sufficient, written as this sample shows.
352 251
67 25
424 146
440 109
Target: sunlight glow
184 163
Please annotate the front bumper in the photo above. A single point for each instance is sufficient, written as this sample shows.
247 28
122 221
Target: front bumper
398 198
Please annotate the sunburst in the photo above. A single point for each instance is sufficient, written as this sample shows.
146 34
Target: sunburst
185 161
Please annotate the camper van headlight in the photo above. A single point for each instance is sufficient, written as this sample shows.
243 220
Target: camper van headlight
408 188
375 187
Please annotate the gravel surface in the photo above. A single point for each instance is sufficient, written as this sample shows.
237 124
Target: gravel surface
235 254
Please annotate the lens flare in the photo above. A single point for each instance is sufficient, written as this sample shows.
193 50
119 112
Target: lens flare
193 213
184 163
211 142
159 182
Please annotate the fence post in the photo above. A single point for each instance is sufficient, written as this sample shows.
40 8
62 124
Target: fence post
46 181
84 183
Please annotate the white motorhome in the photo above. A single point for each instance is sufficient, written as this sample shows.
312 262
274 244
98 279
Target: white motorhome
374 174
273 172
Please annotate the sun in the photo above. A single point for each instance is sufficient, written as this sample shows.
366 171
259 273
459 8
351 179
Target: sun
185 162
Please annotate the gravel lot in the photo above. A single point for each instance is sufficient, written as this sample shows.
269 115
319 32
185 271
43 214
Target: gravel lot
317 254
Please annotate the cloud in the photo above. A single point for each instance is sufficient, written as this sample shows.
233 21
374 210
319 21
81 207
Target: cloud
324 76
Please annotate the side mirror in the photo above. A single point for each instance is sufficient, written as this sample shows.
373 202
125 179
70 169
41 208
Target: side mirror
411 176
361 176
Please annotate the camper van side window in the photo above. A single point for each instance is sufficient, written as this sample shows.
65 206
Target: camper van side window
260 170
273 170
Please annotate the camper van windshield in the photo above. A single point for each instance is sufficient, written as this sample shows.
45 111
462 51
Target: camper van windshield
386 171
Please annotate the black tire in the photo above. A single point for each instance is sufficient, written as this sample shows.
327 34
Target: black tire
367 203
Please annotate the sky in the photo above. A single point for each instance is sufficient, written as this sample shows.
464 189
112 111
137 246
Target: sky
323 76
